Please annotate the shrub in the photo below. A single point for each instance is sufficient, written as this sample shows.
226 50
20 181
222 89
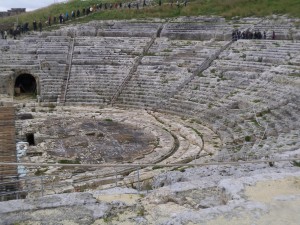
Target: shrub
66 161
248 138
51 106
295 163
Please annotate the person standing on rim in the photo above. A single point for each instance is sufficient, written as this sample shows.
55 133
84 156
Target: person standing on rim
40 25
34 25
5 34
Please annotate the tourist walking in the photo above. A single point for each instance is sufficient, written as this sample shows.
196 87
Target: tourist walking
61 18
49 21
34 25
40 26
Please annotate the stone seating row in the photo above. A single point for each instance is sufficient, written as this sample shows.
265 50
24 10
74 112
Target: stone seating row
31 53
104 63
275 52
133 29
197 31
51 82
238 134
158 75
281 126
94 82
109 29
156 89
100 45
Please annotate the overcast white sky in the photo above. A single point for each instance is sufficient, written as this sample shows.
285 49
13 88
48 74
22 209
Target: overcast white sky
28 4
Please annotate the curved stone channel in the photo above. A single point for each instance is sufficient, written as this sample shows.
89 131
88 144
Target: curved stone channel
92 136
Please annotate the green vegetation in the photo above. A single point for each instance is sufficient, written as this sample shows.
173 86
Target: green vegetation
157 167
66 161
108 120
180 169
226 8
167 50
51 106
40 172
256 101
200 75
141 211
247 138
107 219
262 113
295 163
255 122
147 186
294 75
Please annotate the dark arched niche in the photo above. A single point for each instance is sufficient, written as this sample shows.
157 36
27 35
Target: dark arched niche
25 84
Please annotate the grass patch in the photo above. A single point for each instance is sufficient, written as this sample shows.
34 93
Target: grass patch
167 50
51 106
141 211
157 167
225 8
276 44
294 75
262 113
40 172
150 54
180 169
255 122
247 138
66 161
295 163
108 120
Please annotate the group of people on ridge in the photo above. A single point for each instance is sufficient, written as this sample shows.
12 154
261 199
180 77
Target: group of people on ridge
61 18
237 34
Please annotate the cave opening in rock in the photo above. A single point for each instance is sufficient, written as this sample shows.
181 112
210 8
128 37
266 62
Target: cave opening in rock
30 139
25 84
